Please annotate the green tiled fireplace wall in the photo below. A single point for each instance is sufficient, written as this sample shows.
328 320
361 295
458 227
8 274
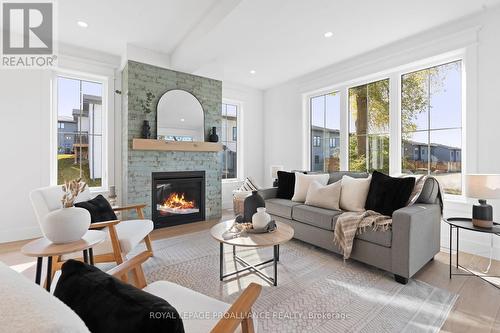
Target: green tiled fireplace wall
138 80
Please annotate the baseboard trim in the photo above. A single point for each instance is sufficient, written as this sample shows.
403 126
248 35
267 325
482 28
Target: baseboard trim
20 234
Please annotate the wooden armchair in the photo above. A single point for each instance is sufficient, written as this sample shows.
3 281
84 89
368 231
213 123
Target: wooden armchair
122 236
185 300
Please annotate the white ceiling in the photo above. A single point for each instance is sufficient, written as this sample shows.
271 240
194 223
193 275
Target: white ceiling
279 39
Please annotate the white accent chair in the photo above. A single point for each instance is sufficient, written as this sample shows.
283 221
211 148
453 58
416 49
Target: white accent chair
122 236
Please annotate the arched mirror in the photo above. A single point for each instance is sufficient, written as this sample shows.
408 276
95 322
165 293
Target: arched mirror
180 117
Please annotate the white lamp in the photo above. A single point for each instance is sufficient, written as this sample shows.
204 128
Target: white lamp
482 187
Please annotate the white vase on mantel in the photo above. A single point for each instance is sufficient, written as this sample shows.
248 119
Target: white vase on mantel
65 225
260 219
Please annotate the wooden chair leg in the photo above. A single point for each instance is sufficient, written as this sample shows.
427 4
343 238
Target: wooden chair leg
149 246
247 325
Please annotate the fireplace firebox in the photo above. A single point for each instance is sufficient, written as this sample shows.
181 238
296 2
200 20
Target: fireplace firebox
177 198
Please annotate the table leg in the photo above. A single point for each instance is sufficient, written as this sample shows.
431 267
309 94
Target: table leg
278 252
234 250
276 256
38 275
91 255
85 256
457 245
221 259
451 236
49 273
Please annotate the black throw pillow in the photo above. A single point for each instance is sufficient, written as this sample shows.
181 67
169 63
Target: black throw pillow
286 185
106 304
99 208
387 194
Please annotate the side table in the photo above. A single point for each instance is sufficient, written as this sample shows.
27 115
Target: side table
42 247
466 224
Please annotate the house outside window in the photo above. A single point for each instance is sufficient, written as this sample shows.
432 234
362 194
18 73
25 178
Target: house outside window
229 140
325 132
432 119
80 131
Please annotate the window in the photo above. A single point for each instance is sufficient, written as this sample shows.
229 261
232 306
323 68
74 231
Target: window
369 127
431 118
229 141
332 142
325 128
80 122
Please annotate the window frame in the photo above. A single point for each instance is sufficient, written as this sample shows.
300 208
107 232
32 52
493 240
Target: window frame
239 140
307 165
107 131
466 55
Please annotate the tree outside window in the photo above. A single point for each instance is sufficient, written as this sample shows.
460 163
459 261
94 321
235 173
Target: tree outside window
369 127
431 119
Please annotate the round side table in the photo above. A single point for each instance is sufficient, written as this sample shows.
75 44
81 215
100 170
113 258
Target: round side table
466 224
42 247
283 234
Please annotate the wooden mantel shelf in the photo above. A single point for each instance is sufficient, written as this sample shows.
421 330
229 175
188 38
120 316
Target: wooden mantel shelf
160 145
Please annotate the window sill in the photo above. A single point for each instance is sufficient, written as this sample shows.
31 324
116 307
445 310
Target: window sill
98 190
231 181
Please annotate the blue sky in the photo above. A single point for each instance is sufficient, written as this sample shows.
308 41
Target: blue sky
68 97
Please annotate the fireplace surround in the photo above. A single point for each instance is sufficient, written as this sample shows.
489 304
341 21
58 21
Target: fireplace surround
178 197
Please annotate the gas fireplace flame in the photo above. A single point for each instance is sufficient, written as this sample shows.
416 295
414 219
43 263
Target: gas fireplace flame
177 201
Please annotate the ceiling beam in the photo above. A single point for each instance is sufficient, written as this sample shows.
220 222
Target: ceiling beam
185 56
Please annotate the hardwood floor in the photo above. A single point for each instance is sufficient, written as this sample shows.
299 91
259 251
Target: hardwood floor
476 310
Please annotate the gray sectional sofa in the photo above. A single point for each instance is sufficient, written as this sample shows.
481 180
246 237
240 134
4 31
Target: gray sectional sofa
412 241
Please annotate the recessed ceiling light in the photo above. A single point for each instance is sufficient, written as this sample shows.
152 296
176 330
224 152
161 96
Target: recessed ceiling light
82 24
328 34
182 119
253 71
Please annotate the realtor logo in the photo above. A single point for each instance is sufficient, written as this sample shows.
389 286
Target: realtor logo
28 34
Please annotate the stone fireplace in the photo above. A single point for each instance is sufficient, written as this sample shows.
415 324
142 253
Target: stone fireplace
177 197
138 166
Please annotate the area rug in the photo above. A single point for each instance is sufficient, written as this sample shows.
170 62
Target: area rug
317 291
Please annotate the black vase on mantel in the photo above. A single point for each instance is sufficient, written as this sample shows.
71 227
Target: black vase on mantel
251 204
213 135
146 130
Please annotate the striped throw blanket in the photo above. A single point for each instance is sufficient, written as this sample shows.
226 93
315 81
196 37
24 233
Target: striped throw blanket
350 224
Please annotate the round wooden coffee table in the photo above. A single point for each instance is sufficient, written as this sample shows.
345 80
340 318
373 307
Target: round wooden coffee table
282 234
42 247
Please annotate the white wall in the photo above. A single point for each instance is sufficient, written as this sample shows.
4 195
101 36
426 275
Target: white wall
252 117
25 121
284 116
24 133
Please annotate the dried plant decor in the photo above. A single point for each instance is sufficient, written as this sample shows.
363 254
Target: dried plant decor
71 190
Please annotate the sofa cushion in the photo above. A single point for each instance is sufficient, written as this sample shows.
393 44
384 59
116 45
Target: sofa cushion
315 216
302 183
387 193
383 238
281 207
99 208
337 175
107 304
327 196
286 185
353 194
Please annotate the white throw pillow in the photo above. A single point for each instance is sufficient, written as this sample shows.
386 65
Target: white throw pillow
302 182
354 193
324 196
